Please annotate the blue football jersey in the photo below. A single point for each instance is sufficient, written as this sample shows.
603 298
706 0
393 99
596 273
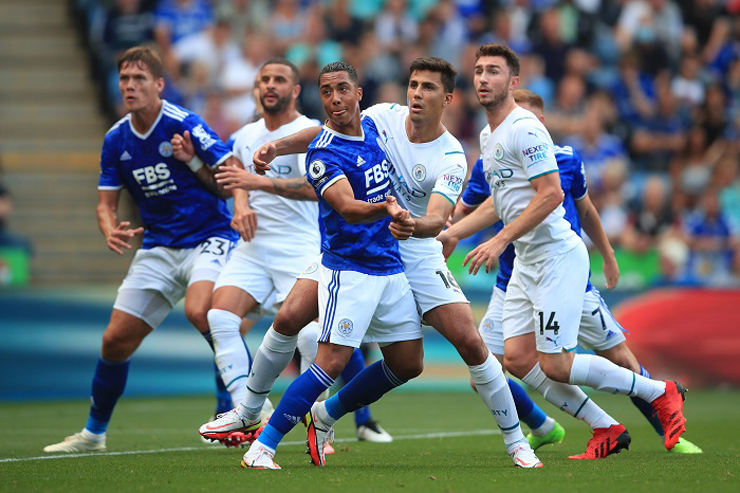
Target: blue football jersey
573 182
367 248
175 207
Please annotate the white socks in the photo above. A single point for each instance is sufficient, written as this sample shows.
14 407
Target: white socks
231 357
544 428
491 383
271 359
602 374
568 398
308 345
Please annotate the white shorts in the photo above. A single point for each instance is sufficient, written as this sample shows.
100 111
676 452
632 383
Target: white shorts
259 269
547 297
599 330
431 282
169 272
356 307
311 272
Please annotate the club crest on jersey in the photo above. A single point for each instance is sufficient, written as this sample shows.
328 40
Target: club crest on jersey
498 152
311 268
419 172
165 149
204 137
345 326
316 169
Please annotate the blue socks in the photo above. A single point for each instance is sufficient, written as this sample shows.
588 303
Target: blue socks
295 404
108 385
367 387
355 365
647 409
527 410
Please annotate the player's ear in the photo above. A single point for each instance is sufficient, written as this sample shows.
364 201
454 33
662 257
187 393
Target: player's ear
515 80
160 85
447 100
359 93
296 91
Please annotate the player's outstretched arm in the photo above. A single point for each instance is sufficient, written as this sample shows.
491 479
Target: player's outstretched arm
548 197
479 219
117 235
292 144
183 150
298 188
341 198
591 224
438 210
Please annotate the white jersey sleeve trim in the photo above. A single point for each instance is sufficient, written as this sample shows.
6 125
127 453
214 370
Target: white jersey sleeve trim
332 182
223 158
110 188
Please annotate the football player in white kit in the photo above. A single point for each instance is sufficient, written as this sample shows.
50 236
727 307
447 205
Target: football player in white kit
427 171
548 282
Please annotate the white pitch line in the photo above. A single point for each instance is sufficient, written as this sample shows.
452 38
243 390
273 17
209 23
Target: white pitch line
420 436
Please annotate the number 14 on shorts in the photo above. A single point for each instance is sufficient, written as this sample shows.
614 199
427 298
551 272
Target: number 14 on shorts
552 324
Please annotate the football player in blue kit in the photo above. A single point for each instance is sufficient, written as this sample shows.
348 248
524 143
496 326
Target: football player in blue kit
187 229
349 172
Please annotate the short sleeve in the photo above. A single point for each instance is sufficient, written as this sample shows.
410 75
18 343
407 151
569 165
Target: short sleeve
535 150
377 111
208 146
579 188
478 189
450 181
109 178
322 169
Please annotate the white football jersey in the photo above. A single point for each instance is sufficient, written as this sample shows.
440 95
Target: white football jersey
418 170
519 150
279 217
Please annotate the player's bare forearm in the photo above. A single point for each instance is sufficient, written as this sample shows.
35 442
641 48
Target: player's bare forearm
207 177
107 218
341 198
296 143
438 210
548 197
461 211
591 223
291 188
481 218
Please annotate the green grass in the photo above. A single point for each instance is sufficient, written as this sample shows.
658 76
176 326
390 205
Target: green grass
459 464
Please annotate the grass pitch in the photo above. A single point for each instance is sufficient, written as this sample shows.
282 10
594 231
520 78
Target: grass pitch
153 446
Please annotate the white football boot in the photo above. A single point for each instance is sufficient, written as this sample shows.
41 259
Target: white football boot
84 441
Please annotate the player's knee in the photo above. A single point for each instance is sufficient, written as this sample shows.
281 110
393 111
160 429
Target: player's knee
555 370
518 361
117 346
408 369
198 317
286 322
469 344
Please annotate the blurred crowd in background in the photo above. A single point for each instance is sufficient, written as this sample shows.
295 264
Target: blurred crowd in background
647 91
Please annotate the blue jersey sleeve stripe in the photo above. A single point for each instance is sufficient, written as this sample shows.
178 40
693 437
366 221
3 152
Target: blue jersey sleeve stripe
443 195
543 174
331 182
453 152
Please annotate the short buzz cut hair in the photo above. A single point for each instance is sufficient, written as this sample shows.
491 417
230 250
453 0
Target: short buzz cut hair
282 61
341 67
144 55
498 49
438 65
529 97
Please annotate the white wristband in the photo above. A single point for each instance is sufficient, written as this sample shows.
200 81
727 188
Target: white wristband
195 164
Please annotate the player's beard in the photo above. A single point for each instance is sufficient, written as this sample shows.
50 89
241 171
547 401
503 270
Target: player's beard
497 99
279 105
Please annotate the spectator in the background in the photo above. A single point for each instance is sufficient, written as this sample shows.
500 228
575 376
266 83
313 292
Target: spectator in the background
395 27
691 169
452 32
551 46
315 45
177 19
609 200
687 85
202 59
714 115
657 139
341 26
648 22
238 78
650 220
714 244
634 91
532 77
597 147
245 16
566 115
287 24
8 239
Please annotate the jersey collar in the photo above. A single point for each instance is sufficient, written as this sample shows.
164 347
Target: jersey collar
151 129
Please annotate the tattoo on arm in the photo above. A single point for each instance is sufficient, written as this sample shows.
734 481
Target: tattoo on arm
293 188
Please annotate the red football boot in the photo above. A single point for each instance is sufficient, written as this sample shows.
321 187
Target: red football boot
605 442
